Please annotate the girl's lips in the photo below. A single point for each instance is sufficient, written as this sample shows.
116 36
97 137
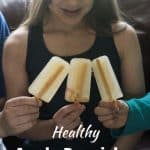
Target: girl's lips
71 12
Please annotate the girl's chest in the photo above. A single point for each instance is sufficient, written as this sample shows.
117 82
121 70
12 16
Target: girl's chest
68 45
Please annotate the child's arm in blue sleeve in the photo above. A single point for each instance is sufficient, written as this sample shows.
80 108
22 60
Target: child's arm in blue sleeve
138 117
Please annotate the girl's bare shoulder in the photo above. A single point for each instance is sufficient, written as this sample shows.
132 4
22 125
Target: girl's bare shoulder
17 41
122 28
126 39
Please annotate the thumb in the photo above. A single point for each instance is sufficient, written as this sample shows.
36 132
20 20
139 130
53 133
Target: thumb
123 107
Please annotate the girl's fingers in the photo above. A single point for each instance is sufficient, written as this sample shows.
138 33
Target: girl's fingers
109 123
106 118
108 104
24 110
70 118
24 119
100 111
66 110
74 124
23 100
23 127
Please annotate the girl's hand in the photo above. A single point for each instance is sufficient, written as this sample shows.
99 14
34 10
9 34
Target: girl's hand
19 114
68 116
112 114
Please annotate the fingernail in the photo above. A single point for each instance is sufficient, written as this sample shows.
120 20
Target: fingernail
83 107
40 103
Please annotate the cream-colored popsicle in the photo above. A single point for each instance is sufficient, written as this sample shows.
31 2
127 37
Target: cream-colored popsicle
49 79
106 79
79 81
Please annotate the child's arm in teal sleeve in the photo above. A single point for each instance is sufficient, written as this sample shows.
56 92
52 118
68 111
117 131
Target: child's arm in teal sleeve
138 116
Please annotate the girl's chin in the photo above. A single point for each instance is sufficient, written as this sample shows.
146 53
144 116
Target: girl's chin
71 21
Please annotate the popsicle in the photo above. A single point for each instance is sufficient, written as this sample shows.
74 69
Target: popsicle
79 81
106 79
49 79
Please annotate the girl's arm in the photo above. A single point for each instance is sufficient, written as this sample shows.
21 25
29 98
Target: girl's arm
132 75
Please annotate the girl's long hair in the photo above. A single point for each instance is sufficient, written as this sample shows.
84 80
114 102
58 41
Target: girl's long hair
102 15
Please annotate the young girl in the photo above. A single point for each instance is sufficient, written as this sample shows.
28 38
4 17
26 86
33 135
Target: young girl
69 29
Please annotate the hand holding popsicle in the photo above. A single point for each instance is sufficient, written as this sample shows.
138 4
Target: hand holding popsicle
111 112
69 116
106 112
19 114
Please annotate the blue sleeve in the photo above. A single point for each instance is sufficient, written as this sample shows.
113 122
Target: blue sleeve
4 32
138 117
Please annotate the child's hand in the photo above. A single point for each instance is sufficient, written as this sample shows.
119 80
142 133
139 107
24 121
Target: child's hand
112 114
19 114
68 116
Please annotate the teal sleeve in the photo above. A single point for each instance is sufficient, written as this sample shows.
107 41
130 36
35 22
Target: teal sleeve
138 117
